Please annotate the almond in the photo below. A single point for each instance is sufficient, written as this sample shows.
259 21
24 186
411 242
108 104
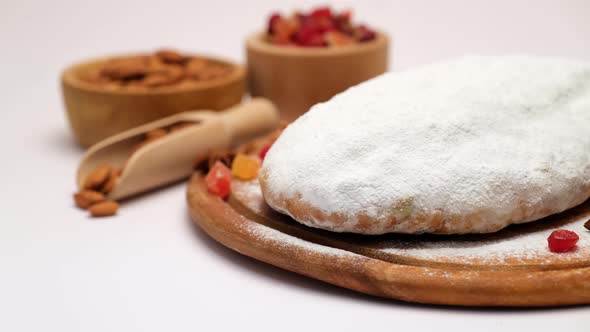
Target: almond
211 72
195 66
157 79
86 198
181 125
156 133
141 144
169 56
111 182
165 74
126 68
587 225
104 209
97 178
336 38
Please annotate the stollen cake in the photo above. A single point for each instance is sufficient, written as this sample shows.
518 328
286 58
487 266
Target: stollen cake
464 146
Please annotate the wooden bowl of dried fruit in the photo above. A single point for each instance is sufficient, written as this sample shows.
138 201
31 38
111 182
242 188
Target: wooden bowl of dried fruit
106 96
307 58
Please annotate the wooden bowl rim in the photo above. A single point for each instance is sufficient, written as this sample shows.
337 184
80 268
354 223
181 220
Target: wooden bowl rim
70 76
257 42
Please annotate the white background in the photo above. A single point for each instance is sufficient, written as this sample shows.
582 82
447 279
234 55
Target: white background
149 269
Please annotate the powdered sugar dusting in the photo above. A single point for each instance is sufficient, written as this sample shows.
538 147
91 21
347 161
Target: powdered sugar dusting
282 240
502 139
250 194
518 249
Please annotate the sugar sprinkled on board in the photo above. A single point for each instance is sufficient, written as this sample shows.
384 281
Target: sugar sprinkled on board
520 248
283 240
502 139
249 193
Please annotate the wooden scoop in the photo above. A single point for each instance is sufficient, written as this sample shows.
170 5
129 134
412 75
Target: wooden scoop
172 157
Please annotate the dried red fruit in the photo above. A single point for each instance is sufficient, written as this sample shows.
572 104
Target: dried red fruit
218 180
312 40
284 29
363 34
336 38
264 151
310 35
317 24
347 14
562 240
343 24
321 12
274 18
312 30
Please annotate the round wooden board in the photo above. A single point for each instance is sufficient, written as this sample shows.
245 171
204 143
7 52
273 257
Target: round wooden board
405 267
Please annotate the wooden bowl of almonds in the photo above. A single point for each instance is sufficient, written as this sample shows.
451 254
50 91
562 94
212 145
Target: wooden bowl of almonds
109 95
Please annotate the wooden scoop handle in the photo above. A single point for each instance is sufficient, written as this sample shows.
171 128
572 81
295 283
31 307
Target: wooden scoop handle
249 119
172 157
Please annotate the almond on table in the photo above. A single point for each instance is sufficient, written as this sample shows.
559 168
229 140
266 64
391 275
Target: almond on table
101 181
104 209
86 198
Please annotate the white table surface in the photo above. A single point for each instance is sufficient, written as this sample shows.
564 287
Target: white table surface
150 269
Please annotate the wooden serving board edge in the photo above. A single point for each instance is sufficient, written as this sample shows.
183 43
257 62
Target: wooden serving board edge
432 285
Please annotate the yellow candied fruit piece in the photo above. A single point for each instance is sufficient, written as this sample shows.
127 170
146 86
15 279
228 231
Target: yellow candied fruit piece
245 167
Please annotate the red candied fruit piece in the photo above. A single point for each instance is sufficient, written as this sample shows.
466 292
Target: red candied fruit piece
562 240
218 180
264 151
272 21
313 40
364 34
347 14
321 12
343 24
283 30
310 34
320 24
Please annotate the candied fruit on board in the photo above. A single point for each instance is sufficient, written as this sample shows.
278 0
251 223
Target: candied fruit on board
264 151
245 167
218 180
562 240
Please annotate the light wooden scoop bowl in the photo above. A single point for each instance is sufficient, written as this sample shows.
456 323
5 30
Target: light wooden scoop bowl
172 157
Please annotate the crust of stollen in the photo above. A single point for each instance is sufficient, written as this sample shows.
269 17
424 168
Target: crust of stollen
487 220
